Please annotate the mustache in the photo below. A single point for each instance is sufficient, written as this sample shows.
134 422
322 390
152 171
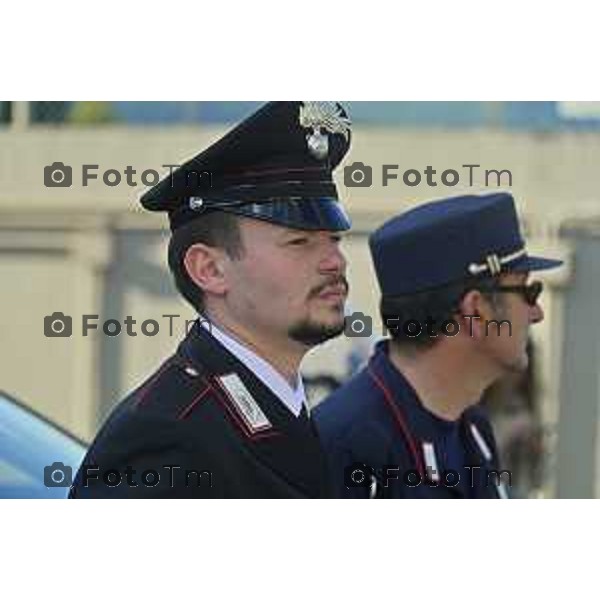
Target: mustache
333 281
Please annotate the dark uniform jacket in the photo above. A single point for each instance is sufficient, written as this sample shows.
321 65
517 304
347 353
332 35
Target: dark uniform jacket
203 426
382 442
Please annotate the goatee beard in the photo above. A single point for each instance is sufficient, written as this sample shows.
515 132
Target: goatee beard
312 334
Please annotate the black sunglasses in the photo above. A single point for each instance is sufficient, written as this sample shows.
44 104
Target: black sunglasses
530 293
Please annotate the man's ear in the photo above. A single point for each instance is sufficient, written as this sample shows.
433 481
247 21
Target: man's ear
204 265
475 311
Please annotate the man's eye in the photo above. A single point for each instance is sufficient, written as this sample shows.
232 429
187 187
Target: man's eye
298 241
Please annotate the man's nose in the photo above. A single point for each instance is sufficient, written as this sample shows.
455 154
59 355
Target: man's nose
334 259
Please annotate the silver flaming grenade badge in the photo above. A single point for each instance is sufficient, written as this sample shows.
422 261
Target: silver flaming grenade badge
322 117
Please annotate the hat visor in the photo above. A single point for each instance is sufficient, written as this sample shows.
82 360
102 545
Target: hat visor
298 213
536 263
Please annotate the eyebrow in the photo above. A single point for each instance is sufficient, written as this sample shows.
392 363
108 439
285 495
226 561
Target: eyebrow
293 232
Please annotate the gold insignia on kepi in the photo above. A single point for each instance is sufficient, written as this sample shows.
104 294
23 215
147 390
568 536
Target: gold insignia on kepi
318 116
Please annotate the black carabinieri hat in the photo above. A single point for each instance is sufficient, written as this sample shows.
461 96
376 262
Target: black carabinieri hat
276 165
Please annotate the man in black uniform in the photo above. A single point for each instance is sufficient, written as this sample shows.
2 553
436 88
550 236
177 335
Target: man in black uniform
455 299
257 254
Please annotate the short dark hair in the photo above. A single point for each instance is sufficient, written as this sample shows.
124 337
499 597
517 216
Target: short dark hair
439 305
216 228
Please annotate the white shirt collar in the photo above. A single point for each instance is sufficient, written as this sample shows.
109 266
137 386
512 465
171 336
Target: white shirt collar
292 398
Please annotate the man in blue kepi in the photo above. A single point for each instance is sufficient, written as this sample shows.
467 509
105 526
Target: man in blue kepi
458 303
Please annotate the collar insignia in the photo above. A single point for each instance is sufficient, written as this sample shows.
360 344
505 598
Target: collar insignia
244 403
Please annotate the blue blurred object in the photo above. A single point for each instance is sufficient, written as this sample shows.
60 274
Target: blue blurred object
538 116
29 444
520 115
152 113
